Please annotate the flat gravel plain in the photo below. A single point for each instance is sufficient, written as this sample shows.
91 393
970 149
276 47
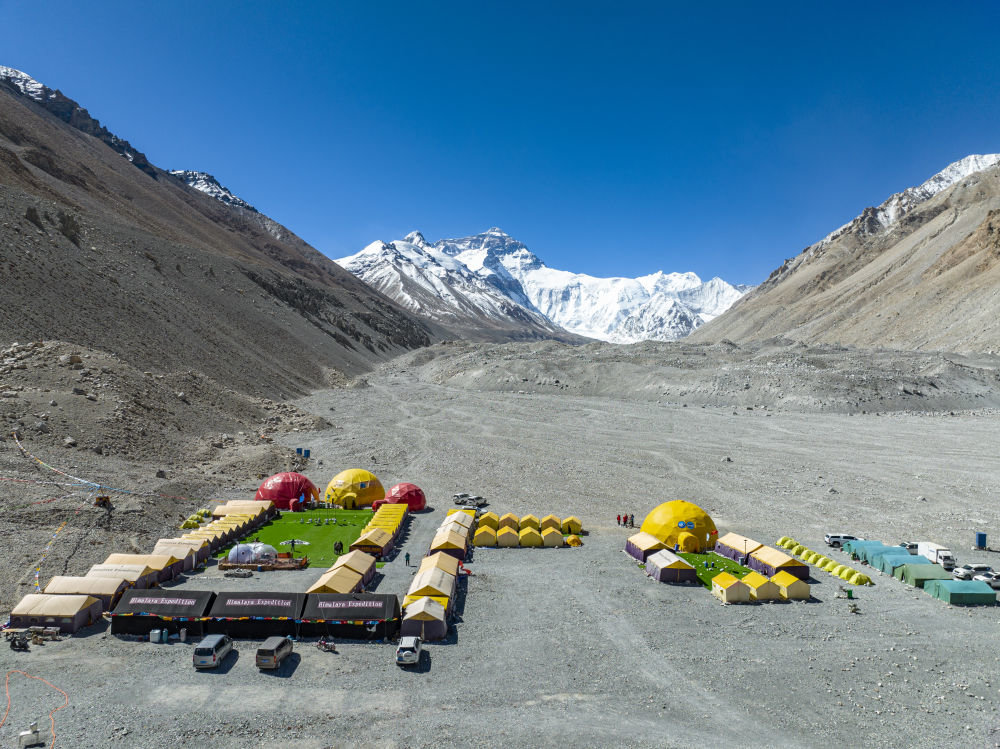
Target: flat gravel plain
556 647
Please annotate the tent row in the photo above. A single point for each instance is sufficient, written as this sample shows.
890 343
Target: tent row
349 574
525 538
231 522
568 525
763 559
835 568
427 606
756 587
454 534
379 537
258 615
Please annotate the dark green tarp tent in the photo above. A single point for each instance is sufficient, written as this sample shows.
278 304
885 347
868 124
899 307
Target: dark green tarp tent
917 573
962 592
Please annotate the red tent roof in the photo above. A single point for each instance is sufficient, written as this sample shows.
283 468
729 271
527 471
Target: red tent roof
285 489
409 494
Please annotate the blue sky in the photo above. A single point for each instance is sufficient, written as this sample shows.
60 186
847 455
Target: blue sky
612 138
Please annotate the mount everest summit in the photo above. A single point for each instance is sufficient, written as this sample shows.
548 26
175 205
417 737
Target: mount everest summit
494 276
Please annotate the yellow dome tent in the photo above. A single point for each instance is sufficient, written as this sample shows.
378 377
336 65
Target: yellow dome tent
353 489
682 524
573 540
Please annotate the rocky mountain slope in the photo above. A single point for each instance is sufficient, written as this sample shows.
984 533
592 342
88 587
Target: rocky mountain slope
469 271
921 271
101 249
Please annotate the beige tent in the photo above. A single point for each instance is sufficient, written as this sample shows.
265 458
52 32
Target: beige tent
734 546
485 536
460 517
425 618
728 589
105 589
552 537
489 520
167 566
529 537
449 542
138 575
441 561
508 537
199 546
510 520
356 560
341 580
528 521
184 552
69 613
433 582
376 542
572 525
462 530
550 521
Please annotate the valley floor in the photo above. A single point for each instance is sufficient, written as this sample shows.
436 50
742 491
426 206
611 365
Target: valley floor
577 646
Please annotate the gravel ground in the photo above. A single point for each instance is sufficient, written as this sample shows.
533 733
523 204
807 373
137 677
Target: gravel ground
559 646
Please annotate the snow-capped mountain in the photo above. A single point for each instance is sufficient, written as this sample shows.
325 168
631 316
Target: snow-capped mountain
206 183
873 220
660 306
421 278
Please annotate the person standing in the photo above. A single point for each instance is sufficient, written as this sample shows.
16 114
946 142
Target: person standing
618 520
407 558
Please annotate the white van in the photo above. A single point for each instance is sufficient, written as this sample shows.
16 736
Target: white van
212 651
273 652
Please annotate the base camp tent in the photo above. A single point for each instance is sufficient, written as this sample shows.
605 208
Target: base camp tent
107 590
962 592
550 521
510 520
359 616
919 574
432 582
888 561
167 566
769 562
552 537
440 561
728 589
450 543
508 537
199 546
288 491
374 541
761 589
338 580
255 615
528 521
736 547
138 575
529 537
485 536
363 564
791 587
571 525
408 494
69 613
640 545
140 611
353 489
489 520
666 567
425 618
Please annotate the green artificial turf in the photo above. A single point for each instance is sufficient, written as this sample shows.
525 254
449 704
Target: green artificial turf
722 564
321 537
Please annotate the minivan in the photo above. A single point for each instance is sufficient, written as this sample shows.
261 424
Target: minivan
212 651
273 652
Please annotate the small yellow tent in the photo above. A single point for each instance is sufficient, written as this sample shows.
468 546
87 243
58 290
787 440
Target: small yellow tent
550 521
790 586
441 561
489 520
761 589
530 537
728 589
510 520
508 537
528 521
485 536
573 540
552 537
341 580
353 489
571 525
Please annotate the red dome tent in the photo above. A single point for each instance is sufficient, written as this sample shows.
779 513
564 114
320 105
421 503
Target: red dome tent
404 494
286 490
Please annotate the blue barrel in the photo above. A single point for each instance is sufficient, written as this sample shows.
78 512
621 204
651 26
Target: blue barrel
306 453
980 540
298 450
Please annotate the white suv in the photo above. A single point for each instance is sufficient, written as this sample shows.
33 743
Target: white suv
969 571
836 540
408 652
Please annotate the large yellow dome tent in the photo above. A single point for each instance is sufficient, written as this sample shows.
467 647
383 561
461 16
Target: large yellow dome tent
353 489
682 524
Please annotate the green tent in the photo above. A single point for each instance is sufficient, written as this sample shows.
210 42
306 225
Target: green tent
962 592
918 574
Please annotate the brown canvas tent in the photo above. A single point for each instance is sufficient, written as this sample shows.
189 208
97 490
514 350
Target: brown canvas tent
184 552
200 547
432 582
69 613
425 618
340 580
167 566
441 561
450 543
375 541
107 590
139 575
363 564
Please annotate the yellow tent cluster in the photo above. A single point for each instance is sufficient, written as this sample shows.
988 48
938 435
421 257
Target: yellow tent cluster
844 572
756 587
195 520
232 521
511 531
389 517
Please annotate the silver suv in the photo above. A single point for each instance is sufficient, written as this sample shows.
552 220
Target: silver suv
836 540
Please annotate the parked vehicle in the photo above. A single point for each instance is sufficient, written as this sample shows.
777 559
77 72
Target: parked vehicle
212 651
909 546
969 571
990 578
408 652
327 646
938 554
836 540
273 652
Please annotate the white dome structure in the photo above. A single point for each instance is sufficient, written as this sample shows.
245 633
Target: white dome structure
251 553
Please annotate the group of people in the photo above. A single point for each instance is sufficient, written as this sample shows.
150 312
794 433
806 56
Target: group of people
626 520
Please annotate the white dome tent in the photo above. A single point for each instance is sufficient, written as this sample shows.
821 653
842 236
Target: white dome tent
251 553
